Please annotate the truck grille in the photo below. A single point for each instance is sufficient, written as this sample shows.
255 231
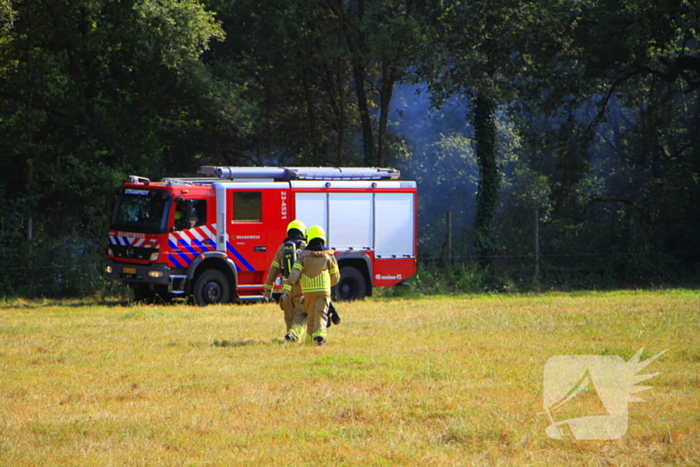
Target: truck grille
132 252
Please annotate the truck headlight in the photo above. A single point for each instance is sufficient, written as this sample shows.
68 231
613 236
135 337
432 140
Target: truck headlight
155 274
154 255
110 252
108 269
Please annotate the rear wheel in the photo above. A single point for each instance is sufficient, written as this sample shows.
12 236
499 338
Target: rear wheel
211 287
352 285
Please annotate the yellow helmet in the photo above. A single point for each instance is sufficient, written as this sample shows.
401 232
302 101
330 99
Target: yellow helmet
316 232
299 225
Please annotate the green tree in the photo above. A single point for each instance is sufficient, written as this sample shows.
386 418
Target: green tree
476 41
91 90
292 66
621 85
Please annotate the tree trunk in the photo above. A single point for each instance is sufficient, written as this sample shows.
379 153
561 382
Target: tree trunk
370 155
487 198
311 112
388 80
340 84
358 50
30 130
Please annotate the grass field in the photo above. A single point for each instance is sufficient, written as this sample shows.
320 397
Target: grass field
437 382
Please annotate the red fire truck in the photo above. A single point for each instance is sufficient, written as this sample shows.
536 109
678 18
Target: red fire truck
213 237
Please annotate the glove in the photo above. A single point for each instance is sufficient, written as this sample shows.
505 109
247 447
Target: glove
268 295
333 316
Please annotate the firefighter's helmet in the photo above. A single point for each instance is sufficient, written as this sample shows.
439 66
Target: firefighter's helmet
296 225
316 232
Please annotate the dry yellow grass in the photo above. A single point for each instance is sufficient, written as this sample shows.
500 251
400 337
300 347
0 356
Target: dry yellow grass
442 381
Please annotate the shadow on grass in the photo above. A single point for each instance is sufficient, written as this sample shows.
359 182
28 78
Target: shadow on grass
244 343
66 303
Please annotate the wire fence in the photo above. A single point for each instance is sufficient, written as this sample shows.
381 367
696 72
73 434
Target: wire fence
529 256
559 255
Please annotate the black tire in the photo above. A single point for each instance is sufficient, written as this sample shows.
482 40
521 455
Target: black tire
352 285
211 288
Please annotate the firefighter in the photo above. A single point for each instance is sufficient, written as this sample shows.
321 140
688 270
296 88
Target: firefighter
194 219
317 270
182 224
282 263
179 221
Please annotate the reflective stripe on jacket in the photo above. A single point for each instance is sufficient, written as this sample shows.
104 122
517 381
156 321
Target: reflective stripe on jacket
316 271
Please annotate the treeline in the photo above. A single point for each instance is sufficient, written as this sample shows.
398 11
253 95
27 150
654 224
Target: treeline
556 143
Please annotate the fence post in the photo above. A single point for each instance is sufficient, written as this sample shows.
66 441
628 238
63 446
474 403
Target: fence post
449 236
536 279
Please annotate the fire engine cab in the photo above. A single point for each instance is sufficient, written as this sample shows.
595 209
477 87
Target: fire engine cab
213 237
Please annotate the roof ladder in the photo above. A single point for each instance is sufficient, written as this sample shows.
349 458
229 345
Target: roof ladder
300 173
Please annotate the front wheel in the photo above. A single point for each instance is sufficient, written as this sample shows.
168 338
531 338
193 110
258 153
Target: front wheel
352 285
211 287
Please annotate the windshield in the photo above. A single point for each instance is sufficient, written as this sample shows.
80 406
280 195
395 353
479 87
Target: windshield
141 210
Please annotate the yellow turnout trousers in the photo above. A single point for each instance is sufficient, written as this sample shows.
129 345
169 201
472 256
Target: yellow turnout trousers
293 309
316 308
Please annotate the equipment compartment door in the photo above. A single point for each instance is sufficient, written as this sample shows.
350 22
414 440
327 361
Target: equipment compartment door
258 218
351 221
395 225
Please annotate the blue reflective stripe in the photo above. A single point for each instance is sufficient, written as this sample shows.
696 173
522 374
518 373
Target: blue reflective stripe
186 245
185 260
194 246
205 245
240 258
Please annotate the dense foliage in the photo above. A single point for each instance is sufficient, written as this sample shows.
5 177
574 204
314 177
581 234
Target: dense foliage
556 142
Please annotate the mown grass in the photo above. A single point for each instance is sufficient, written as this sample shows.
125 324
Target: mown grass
439 381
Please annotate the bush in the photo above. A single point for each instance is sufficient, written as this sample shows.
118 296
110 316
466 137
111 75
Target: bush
66 267
439 278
